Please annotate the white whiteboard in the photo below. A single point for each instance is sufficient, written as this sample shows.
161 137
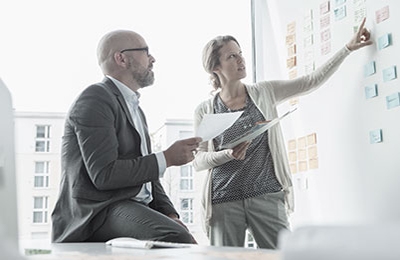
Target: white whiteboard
356 181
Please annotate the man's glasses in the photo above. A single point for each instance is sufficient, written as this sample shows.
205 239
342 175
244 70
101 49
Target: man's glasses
146 49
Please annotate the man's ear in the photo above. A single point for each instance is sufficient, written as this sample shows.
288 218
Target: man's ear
120 59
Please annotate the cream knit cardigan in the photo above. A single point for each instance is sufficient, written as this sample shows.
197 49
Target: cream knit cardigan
266 95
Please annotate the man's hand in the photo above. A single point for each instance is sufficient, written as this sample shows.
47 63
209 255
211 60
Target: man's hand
182 151
361 38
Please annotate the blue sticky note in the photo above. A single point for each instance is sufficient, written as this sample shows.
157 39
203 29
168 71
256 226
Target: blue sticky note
339 2
340 13
369 69
371 91
384 41
389 73
375 136
393 100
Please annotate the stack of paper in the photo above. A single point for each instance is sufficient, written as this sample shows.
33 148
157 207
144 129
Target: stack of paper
129 242
213 125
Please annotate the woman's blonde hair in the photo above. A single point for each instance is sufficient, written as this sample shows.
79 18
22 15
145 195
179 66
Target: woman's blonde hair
211 57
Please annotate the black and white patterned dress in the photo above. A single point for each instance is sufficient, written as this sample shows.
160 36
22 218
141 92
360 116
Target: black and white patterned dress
251 177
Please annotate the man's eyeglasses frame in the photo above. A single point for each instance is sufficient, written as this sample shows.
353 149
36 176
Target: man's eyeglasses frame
146 49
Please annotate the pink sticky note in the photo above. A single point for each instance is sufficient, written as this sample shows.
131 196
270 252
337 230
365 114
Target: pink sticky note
326 35
325 21
325 48
382 14
324 7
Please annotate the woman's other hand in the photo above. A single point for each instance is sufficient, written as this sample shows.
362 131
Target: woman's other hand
239 151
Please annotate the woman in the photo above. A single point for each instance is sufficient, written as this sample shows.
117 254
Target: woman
249 186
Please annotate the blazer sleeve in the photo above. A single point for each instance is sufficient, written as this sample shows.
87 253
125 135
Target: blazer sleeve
161 202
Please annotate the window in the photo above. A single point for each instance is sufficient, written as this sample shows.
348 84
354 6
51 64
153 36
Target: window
42 131
41 175
40 210
186 211
186 181
42 142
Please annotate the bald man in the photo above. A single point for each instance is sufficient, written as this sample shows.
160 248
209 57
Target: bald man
110 178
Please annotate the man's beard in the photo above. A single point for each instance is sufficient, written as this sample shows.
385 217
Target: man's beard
143 76
144 79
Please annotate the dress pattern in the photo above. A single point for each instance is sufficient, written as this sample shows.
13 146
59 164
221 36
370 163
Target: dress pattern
251 177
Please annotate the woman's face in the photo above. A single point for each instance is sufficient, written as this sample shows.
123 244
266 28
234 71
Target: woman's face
232 64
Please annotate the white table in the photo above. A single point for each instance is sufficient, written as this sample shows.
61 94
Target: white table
100 251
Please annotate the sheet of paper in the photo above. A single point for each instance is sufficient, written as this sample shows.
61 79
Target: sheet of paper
393 100
384 41
371 91
291 50
308 27
308 41
213 125
311 139
290 39
128 242
292 144
291 28
340 13
375 136
325 48
339 2
325 21
360 12
389 74
326 35
291 62
324 7
313 163
369 69
382 14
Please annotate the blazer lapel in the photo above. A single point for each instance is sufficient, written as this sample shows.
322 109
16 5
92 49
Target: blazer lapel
146 130
120 99
124 106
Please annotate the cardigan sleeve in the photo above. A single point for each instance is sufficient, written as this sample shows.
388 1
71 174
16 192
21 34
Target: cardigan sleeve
206 157
286 89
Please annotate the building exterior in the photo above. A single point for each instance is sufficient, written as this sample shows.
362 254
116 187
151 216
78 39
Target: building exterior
37 160
38 139
182 183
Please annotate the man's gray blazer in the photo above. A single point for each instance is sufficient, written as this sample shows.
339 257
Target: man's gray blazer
101 163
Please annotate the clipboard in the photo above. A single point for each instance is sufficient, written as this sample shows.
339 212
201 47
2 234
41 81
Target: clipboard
255 131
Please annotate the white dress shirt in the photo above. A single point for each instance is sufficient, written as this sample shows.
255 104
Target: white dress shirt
132 100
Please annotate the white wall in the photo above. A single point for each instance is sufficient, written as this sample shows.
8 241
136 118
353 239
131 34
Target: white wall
356 181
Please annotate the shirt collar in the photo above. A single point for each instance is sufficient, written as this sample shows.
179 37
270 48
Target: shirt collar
129 95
